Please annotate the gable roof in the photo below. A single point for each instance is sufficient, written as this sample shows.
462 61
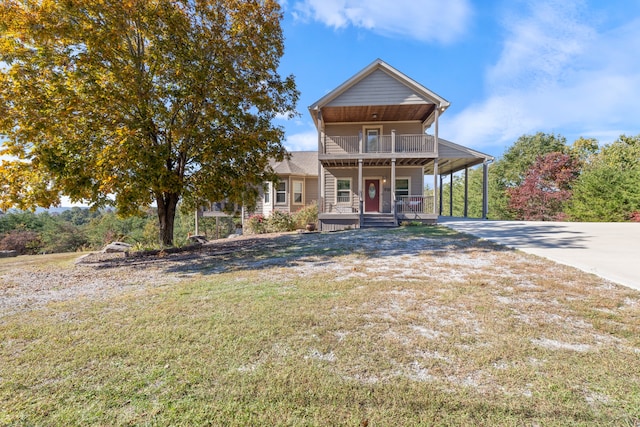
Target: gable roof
378 84
300 163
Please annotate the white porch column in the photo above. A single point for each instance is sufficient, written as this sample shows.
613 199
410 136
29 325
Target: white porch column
393 140
393 186
360 186
435 186
435 129
436 204
321 150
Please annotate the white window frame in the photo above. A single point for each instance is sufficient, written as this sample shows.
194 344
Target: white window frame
267 195
408 179
281 192
294 192
365 133
350 190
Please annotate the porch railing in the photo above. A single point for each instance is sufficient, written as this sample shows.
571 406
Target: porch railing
405 205
340 206
394 143
414 205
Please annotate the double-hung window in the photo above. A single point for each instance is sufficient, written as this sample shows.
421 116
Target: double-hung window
298 187
267 194
281 192
402 187
343 190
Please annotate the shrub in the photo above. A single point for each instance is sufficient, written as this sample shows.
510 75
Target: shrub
279 222
24 242
256 224
307 215
411 224
63 237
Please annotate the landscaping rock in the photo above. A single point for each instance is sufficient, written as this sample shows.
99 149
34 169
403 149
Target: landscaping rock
8 254
116 247
197 239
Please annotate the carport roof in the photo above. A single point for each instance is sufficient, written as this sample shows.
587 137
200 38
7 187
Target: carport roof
454 157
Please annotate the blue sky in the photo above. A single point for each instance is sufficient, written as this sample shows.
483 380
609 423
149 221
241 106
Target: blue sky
508 67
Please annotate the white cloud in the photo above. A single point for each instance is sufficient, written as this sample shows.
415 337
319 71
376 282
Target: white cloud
303 141
556 74
541 47
426 20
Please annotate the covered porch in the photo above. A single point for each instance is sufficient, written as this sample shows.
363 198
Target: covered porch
402 189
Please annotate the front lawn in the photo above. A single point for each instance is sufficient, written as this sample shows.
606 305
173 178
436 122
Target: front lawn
413 326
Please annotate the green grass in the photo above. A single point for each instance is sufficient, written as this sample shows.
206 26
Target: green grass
452 343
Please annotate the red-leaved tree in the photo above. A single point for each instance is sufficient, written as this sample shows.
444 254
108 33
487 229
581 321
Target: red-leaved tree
545 189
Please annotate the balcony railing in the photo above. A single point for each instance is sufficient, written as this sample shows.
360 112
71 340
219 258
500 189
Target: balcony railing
394 143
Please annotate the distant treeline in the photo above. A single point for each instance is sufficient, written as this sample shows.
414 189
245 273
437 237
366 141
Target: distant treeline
80 229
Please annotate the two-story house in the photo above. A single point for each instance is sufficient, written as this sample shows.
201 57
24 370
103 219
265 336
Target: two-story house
374 151
378 151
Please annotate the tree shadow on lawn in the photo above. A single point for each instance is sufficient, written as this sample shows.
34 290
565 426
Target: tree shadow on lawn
290 250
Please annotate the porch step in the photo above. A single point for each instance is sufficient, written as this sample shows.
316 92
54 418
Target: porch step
378 221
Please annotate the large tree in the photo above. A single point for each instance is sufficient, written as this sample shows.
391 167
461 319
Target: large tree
141 101
545 189
511 169
608 188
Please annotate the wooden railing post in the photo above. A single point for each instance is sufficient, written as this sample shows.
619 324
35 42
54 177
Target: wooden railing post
393 140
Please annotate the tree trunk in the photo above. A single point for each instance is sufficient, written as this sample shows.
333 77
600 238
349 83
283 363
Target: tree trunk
167 203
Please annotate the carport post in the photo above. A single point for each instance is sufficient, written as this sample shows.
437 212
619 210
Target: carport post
451 194
441 198
466 191
485 190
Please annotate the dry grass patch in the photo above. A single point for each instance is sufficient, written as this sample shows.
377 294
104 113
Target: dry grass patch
415 326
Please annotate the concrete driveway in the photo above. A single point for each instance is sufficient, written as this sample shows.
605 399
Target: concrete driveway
610 250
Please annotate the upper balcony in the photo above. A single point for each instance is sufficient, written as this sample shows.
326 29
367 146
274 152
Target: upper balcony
406 149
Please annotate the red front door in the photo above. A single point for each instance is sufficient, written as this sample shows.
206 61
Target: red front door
371 195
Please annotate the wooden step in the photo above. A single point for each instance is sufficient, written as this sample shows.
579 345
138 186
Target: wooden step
378 221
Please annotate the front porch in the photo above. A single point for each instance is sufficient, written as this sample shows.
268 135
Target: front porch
333 217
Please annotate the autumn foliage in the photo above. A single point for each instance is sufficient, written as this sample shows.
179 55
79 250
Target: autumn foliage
545 189
133 103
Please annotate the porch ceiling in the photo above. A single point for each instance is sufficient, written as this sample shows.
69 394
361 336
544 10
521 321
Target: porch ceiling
383 113
453 165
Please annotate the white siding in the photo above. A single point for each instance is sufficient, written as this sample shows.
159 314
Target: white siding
378 88
404 128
